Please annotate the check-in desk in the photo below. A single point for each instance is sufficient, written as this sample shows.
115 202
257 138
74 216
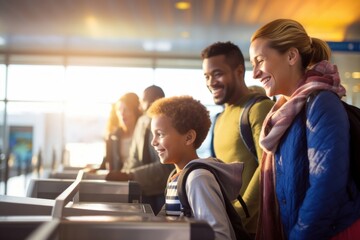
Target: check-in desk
26 213
20 216
67 218
63 175
89 190
121 228
25 206
71 173
68 200
68 203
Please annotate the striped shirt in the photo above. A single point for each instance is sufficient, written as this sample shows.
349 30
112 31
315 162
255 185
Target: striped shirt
172 202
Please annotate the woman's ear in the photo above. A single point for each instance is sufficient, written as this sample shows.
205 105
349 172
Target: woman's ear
190 137
293 56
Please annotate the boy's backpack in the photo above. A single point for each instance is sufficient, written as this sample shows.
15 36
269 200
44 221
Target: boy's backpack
244 126
234 217
354 121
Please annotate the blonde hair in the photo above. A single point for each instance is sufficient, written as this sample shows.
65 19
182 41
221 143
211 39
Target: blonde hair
129 99
283 34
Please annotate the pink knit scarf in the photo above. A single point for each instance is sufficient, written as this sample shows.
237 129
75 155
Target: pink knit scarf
322 76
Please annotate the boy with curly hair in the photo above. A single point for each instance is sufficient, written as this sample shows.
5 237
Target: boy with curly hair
179 126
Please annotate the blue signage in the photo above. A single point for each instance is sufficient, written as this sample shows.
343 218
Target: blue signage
344 46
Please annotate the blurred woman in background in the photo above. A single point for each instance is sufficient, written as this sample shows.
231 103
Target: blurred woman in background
120 128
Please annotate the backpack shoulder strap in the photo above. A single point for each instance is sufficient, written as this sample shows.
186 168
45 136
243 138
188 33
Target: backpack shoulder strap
181 188
245 128
212 150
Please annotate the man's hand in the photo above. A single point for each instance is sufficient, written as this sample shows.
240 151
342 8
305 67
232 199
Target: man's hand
89 170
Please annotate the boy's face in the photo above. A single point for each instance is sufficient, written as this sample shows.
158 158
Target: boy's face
167 141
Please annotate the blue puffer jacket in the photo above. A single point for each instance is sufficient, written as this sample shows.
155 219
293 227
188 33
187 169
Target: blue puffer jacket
316 196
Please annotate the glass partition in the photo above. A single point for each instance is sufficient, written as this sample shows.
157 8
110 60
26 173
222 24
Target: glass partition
2 81
2 132
104 84
35 128
183 82
85 132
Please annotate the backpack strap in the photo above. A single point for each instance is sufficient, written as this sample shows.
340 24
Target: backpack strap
181 188
245 128
212 150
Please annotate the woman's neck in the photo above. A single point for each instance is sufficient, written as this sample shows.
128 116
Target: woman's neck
298 80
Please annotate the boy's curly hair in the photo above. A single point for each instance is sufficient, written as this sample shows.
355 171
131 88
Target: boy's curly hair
185 114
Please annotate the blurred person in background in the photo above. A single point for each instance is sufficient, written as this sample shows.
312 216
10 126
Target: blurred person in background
120 129
143 164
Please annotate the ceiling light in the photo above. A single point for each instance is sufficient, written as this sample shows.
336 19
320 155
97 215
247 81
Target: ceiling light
355 75
91 21
185 34
182 5
356 88
162 46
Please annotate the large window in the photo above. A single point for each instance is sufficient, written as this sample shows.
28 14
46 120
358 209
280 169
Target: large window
67 107
183 82
89 92
35 83
2 81
2 129
43 125
104 84
2 109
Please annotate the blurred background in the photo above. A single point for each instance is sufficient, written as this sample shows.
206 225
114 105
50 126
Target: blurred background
62 64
